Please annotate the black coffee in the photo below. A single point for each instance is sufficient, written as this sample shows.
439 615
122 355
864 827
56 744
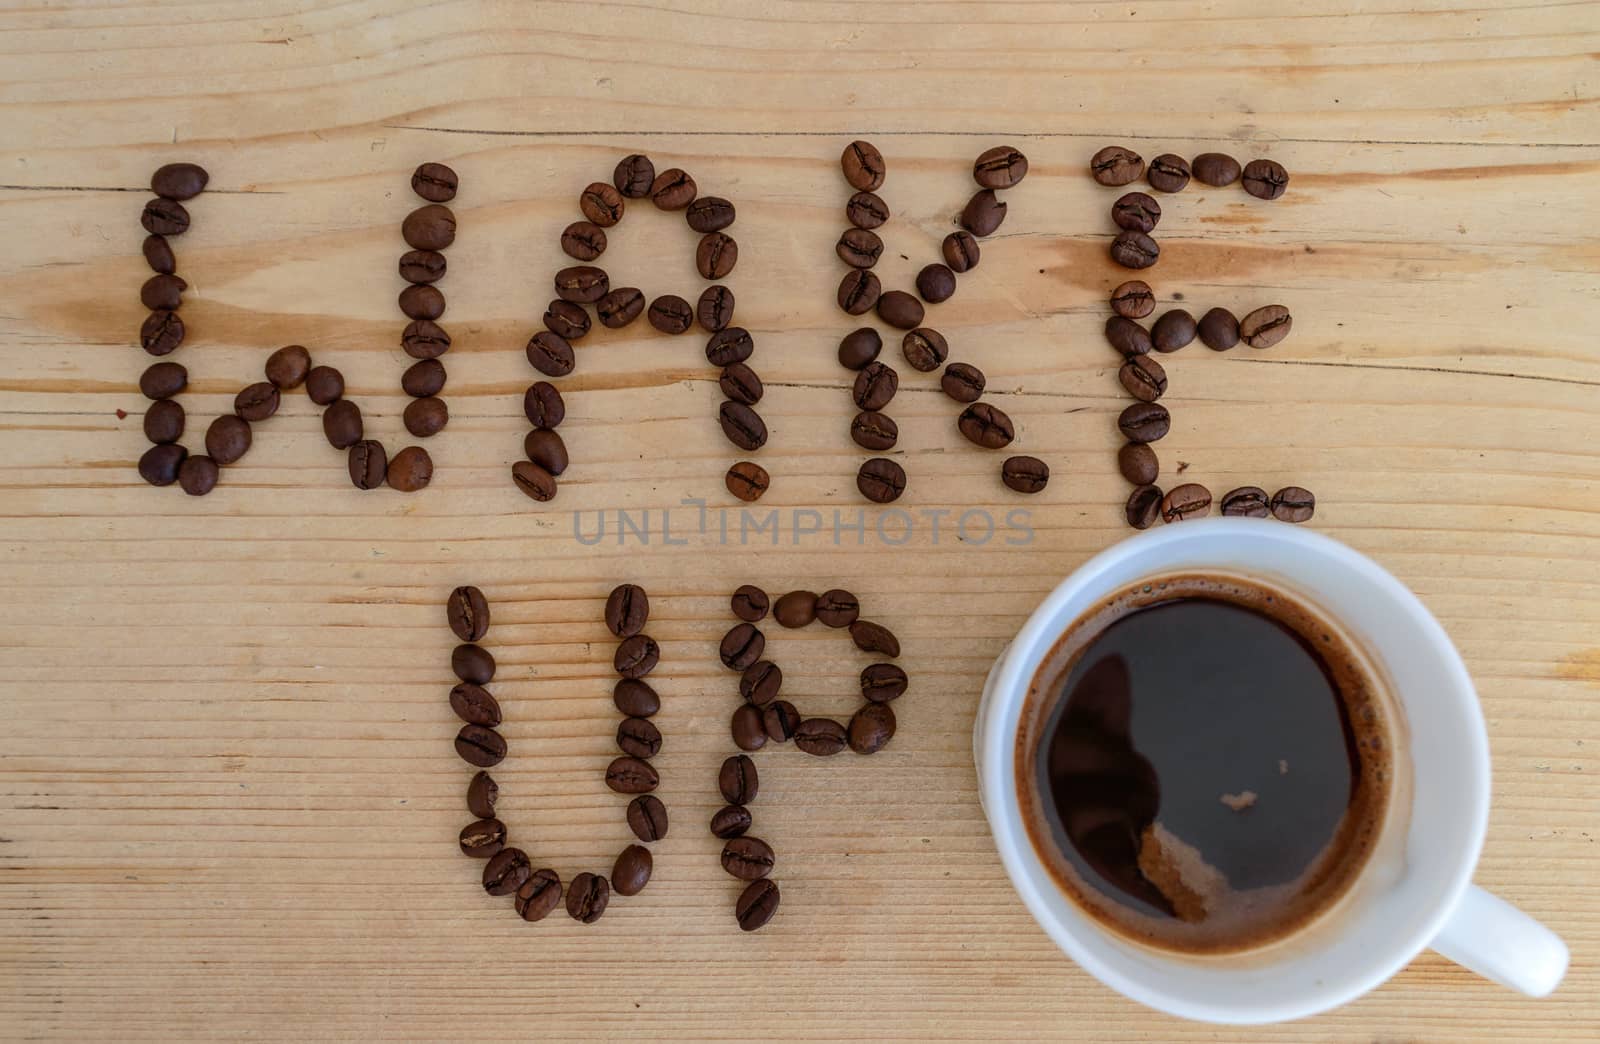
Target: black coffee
1203 763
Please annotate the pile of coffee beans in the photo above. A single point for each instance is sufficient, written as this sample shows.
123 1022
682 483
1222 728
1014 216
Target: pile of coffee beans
882 479
584 286
1136 214
1147 421
509 871
764 717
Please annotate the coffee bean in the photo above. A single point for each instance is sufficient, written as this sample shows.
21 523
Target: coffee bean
863 166
197 475
859 347
538 896
636 656
1138 463
341 423
546 449
960 250
962 382
874 638
287 367
716 255
161 332
179 180
837 607
1246 502
747 480
543 405
619 307
1190 500
582 284
467 612
936 283
1144 507
1215 169
587 897
1262 178
780 719
631 872
738 780
566 320
634 175
537 483
424 378
158 254
858 248
748 732
434 182
1293 504
1133 299
1265 327
983 213
164 421
741 384
925 349
1115 165
631 775
900 309
874 431
1134 250
670 314
749 603
881 480
426 417
256 402
368 464
730 345
432 227
647 818
709 214
163 293
741 646
164 217
227 439
550 354
822 737
480 746
730 821
714 310
747 858
859 291
601 204
639 737
1001 167
882 682
742 426
673 189
159 465
1025 474
985 425
1144 422
472 663
866 210
871 728
163 380
1218 329
424 339
635 698
1175 329
627 610
1143 378
875 386
1136 212
482 793
506 871
1168 173
796 609
760 683
756 905
1127 336
483 839
583 240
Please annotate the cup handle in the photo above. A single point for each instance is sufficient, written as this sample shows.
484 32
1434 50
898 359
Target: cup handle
1487 935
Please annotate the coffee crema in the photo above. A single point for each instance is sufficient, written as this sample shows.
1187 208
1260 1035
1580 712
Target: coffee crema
1204 763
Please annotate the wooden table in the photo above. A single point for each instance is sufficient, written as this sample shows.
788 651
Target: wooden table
228 800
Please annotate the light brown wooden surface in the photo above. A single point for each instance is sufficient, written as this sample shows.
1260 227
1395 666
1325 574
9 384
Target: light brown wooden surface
228 801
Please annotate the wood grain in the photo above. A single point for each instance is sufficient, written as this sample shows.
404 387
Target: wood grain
228 802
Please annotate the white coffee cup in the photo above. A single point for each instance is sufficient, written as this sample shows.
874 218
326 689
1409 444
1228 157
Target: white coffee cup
1414 892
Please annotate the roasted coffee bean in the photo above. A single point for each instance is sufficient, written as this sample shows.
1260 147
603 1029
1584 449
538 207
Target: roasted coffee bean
1025 474
1143 378
634 175
730 821
1293 504
159 465
859 291
1218 329
582 284
1265 327
837 607
960 250
983 213
866 210
287 367
635 698
1215 169
874 638
164 217
875 386
631 872
257 402
161 332
550 354
963 382
730 345
566 320
1246 502
741 384
423 378
546 449
506 871
639 737
601 204
1134 250
368 464
1190 500
1175 329
747 480
482 794
738 780
483 839
874 431
670 314
859 347
709 214
750 603
432 227
587 897
925 349
179 180
741 646
1138 463
627 610
1144 507
1144 422
716 255
780 719
985 425
857 247
936 283
475 705
882 682
1168 173
163 380
583 240
747 858
158 255
647 818
742 426
619 307
1115 165
537 483
227 439
822 737
756 905
1264 179
636 656
881 480
871 728
434 182
164 421
197 475
1001 167
1136 212
472 663
748 732
1133 299
796 609
163 293
426 417
467 612
424 339
631 775
714 310
1127 336
480 746
863 166
673 189
538 896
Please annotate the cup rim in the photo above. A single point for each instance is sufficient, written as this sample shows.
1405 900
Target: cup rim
1001 716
